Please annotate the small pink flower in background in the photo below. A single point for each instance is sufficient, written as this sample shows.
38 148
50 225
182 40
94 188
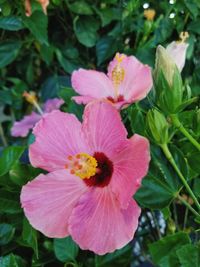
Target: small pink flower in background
21 128
43 3
94 171
127 81
177 50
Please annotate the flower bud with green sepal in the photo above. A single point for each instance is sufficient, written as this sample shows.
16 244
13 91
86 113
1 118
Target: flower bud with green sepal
167 82
157 127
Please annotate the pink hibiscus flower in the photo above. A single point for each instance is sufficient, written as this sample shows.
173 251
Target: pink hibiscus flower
94 170
22 128
127 81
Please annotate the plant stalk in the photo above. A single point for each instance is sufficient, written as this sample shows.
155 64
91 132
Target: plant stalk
176 122
188 206
3 138
173 163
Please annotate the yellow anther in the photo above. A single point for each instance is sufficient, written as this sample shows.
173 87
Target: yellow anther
149 14
184 36
118 73
30 97
82 165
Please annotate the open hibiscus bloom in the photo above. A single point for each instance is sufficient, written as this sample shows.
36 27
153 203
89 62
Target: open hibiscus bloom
94 170
22 128
127 81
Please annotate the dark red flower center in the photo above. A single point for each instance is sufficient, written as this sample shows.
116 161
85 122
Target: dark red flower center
104 171
119 99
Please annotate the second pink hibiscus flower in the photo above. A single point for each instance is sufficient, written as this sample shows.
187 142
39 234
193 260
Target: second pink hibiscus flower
127 81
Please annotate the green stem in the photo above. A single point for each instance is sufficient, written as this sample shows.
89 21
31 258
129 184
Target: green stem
178 124
173 163
188 206
3 136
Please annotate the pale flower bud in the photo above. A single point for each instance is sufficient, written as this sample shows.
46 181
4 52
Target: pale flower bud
164 63
177 51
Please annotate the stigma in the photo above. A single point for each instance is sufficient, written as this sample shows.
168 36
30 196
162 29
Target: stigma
118 72
30 97
183 37
82 165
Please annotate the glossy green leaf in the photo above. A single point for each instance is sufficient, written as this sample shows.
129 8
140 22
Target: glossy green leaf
81 7
11 23
189 255
9 157
120 257
6 233
163 251
105 48
29 236
136 118
52 86
66 63
12 260
9 202
20 173
9 50
194 161
37 24
160 186
85 29
65 249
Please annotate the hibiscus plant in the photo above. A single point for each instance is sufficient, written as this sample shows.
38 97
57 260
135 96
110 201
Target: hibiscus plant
99 133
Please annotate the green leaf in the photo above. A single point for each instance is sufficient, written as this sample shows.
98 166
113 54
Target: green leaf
67 64
105 48
65 249
192 7
6 233
160 186
47 53
51 87
11 23
37 23
164 251
12 260
194 26
8 52
81 8
29 236
107 15
20 173
194 161
8 261
9 203
85 29
9 157
189 255
136 118
121 257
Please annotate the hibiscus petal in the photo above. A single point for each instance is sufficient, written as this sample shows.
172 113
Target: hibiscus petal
92 83
97 223
49 199
130 166
52 104
177 52
103 128
137 80
58 135
22 128
83 99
